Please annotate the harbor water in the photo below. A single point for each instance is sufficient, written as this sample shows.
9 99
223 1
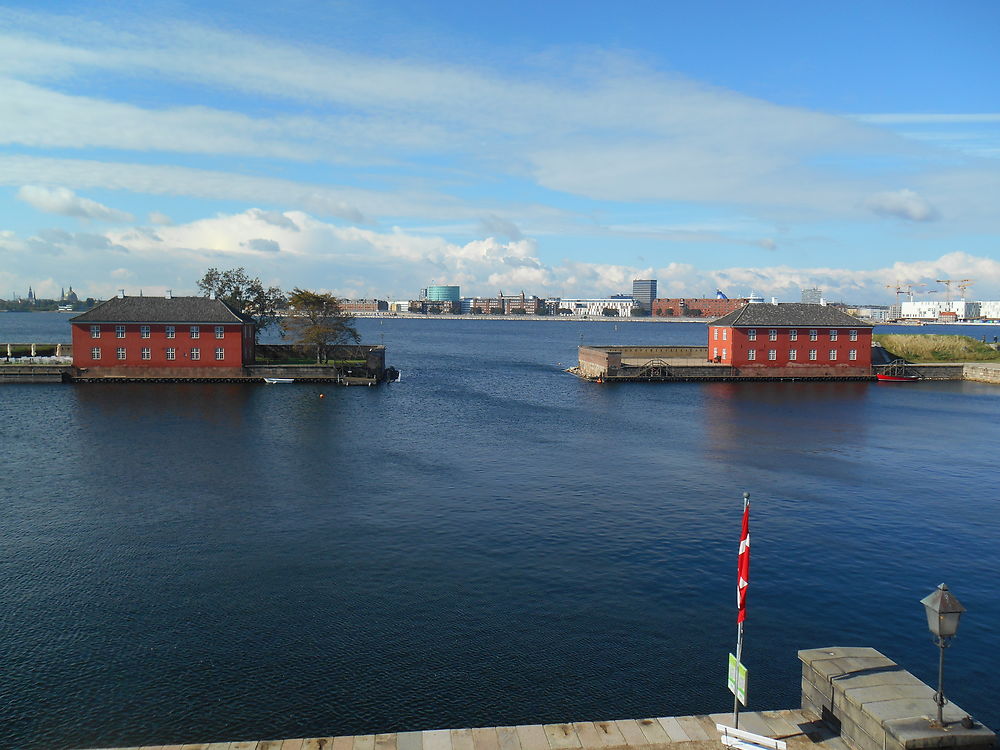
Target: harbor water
490 541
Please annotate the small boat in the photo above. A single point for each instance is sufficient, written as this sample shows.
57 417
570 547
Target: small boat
273 381
896 372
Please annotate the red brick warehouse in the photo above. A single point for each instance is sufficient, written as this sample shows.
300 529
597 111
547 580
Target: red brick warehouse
168 336
792 340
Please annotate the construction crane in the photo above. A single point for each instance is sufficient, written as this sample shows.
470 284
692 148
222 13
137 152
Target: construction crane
948 282
965 286
904 288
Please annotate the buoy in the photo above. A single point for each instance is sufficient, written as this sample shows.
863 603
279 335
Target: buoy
322 395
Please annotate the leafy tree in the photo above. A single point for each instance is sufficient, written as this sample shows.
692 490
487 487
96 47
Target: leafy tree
246 295
318 320
610 312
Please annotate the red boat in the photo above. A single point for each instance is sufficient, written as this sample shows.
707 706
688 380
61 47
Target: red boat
896 372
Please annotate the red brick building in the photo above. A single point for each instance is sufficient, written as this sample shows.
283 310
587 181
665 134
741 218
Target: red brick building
792 340
708 307
163 336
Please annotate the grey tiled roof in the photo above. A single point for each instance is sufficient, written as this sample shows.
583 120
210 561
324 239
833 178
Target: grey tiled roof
162 310
790 314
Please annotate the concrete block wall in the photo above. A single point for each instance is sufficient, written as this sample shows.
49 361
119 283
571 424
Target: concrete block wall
877 705
984 373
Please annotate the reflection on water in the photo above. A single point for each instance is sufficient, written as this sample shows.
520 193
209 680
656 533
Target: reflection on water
772 419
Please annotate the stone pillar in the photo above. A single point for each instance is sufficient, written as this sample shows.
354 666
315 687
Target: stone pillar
877 705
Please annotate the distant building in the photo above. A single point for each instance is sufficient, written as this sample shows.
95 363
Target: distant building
595 307
644 292
696 307
364 305
163 333
792 339
441 293
929 310
812 296
989 310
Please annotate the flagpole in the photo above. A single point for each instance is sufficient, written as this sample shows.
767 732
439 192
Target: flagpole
739 631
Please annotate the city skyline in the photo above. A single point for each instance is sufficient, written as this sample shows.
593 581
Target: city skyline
564 149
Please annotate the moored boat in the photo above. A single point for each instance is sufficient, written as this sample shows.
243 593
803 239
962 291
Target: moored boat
273 381
897 372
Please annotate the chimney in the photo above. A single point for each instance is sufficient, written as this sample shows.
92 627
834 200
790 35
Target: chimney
774 300
121 294
170 294
822 301
211 295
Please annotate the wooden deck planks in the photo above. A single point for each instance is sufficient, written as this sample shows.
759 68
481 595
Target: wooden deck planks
694 732
508 738
561 736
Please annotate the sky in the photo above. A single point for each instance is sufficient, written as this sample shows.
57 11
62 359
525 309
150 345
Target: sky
561 148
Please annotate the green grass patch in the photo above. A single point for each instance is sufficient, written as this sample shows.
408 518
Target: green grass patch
932 347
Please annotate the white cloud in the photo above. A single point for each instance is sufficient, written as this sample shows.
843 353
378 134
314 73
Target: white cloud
903 204
160 218
65 202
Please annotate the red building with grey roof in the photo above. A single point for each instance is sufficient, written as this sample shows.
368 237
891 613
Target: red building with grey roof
792 340
163 336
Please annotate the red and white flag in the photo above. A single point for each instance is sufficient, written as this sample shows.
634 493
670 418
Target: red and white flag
743 566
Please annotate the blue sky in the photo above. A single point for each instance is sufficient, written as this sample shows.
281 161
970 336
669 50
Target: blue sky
561 148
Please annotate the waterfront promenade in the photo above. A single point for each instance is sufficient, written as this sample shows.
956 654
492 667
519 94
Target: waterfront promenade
800 729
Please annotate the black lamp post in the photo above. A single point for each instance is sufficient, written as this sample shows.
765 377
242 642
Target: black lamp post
943 613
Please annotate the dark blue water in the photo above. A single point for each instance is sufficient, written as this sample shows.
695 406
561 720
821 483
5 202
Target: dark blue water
490 541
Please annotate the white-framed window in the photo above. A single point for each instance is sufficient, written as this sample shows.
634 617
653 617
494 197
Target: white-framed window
793 354
196 354
171 331
752 334
715 352
146 353
853 335
772 334
812 355
833 334
833 354
121 352
196 332
715 334
220 353
793 335
95 332
725 333
119 332
772 354
144 332
813 336
95 353
171 353
220 332
723 352
852 355
751 354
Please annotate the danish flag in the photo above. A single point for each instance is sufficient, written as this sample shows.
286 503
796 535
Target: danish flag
743 566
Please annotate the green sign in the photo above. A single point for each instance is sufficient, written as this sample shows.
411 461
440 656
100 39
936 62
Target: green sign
738 680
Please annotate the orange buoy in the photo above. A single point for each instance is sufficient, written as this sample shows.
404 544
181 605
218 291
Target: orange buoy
322 395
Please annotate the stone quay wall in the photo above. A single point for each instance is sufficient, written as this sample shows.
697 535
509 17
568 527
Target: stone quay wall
877 705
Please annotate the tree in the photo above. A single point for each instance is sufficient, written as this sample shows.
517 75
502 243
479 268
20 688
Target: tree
245 295
610 312
318 320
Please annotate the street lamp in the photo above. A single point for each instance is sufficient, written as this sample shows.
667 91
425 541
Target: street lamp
943 613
